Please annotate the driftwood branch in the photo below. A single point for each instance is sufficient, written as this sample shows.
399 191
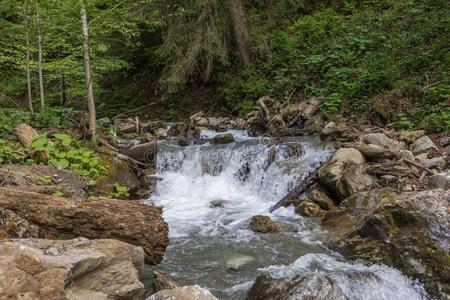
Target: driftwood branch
119 155
293 195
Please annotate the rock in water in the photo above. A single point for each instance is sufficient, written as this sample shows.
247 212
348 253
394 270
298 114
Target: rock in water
345 174
70 269
225 138
263 224
63 218
317 286
408 231
183 293
237 262
163 282
25 134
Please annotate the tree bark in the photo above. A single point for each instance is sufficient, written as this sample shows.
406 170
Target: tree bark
88 72
27 42
240 30
41 77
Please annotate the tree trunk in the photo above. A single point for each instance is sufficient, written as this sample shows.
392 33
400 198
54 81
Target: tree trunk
63 90
27 41
88 72
240 31
41 77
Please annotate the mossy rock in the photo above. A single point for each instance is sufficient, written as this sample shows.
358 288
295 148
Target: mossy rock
119 172
408 231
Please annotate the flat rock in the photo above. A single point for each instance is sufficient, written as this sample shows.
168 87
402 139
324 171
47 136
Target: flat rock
70 269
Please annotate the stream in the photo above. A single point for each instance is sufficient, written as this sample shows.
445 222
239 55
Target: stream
209 193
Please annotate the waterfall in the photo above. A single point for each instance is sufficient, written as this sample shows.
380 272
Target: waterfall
208 194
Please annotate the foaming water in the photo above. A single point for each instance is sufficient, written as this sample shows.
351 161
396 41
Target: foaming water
356 280
244 179
209 193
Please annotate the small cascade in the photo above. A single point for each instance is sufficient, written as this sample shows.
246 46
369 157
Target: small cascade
208 194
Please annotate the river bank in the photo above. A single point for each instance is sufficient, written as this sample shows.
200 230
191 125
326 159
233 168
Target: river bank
372 195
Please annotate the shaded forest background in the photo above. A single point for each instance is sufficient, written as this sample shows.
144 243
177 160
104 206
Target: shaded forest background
383 60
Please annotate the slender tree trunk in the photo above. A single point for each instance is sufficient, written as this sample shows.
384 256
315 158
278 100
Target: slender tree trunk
63 90
240 30
27 41
41 77
88 72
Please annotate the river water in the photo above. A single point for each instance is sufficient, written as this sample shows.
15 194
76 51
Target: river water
209 193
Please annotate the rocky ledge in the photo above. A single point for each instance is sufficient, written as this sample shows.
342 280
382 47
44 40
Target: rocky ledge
72 269
26 214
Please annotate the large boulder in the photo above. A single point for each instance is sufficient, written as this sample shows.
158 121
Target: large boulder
64 218
70 269
409 231
345 174
263 224
317 286
183 293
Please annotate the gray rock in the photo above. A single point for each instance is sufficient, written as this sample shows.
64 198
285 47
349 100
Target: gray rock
422 145
444 141
317 286
440 180
382 140
435 162
183 293
70 269
329 129
345 174
213 123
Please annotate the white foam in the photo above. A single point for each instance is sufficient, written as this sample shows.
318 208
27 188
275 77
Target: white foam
357 281
238 175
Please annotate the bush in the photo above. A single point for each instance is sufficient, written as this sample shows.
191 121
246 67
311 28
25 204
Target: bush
66 153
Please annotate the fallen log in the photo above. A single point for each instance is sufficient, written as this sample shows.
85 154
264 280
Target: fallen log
301 188
65 218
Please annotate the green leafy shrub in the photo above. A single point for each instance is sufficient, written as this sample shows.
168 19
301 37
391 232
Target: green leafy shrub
66 153
331 104
10 154
401 122
120 192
